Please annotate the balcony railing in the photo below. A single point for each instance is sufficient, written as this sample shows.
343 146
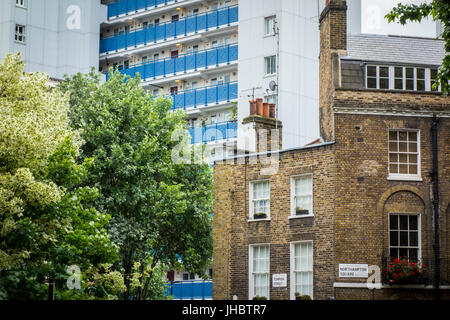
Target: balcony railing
181 27
190 290
183 63
214 132
119 7
205 96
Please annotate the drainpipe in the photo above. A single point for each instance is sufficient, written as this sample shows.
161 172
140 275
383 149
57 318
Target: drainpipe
435 183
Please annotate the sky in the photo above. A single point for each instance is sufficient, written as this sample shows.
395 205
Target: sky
373 21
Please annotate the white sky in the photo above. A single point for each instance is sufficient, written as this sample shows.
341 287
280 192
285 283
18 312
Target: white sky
373 21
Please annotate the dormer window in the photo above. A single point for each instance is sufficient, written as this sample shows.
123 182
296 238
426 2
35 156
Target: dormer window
377 77
400 78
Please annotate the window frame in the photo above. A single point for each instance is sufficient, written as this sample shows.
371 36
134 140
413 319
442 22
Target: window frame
23 34
273 65
268 19
292 267
23 5
377 76
293 195
399 176
419 234
251 200
251 285
393 78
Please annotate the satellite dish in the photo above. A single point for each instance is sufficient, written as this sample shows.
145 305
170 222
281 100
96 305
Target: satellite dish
273 85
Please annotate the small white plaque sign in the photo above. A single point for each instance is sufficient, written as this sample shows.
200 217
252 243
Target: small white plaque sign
353 270
279 280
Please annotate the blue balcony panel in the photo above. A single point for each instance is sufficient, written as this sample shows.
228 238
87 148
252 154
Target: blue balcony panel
206 95
116 8
202 21
214 132
184 63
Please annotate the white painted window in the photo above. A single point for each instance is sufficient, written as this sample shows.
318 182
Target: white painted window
188 276
408 78
302 195
404 154
260 200
302 268
259 266
377 77
433 75
21 3
20 33
273 98
404 236
400 78
270 65
269 26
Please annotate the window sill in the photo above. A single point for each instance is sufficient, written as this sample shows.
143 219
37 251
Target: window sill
404 178
301 217
256 220
270 75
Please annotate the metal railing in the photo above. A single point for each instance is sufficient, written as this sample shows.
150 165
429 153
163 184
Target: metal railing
181 27
206 95
183 63
214 132
190 290
118 7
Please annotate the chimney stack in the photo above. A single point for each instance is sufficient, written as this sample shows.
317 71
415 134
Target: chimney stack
268 130
333 44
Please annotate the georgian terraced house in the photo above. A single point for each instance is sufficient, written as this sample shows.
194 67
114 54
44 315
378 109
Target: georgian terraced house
373 189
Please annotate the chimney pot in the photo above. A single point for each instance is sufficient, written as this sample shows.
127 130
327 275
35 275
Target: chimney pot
272 110
259 107
266 109
252 107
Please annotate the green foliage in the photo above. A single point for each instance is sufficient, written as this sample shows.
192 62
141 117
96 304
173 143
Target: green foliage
298 296
47 222
160 210
438 10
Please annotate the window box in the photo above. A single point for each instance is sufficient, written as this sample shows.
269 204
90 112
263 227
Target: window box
404 271
302 297
258 216
301 212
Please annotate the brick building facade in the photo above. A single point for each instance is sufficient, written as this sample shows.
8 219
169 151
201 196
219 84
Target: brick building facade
363 195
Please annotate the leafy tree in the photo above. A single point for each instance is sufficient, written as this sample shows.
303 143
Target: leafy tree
438 10
46 222
161 210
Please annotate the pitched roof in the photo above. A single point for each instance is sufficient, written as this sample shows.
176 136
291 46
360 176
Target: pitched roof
383 48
